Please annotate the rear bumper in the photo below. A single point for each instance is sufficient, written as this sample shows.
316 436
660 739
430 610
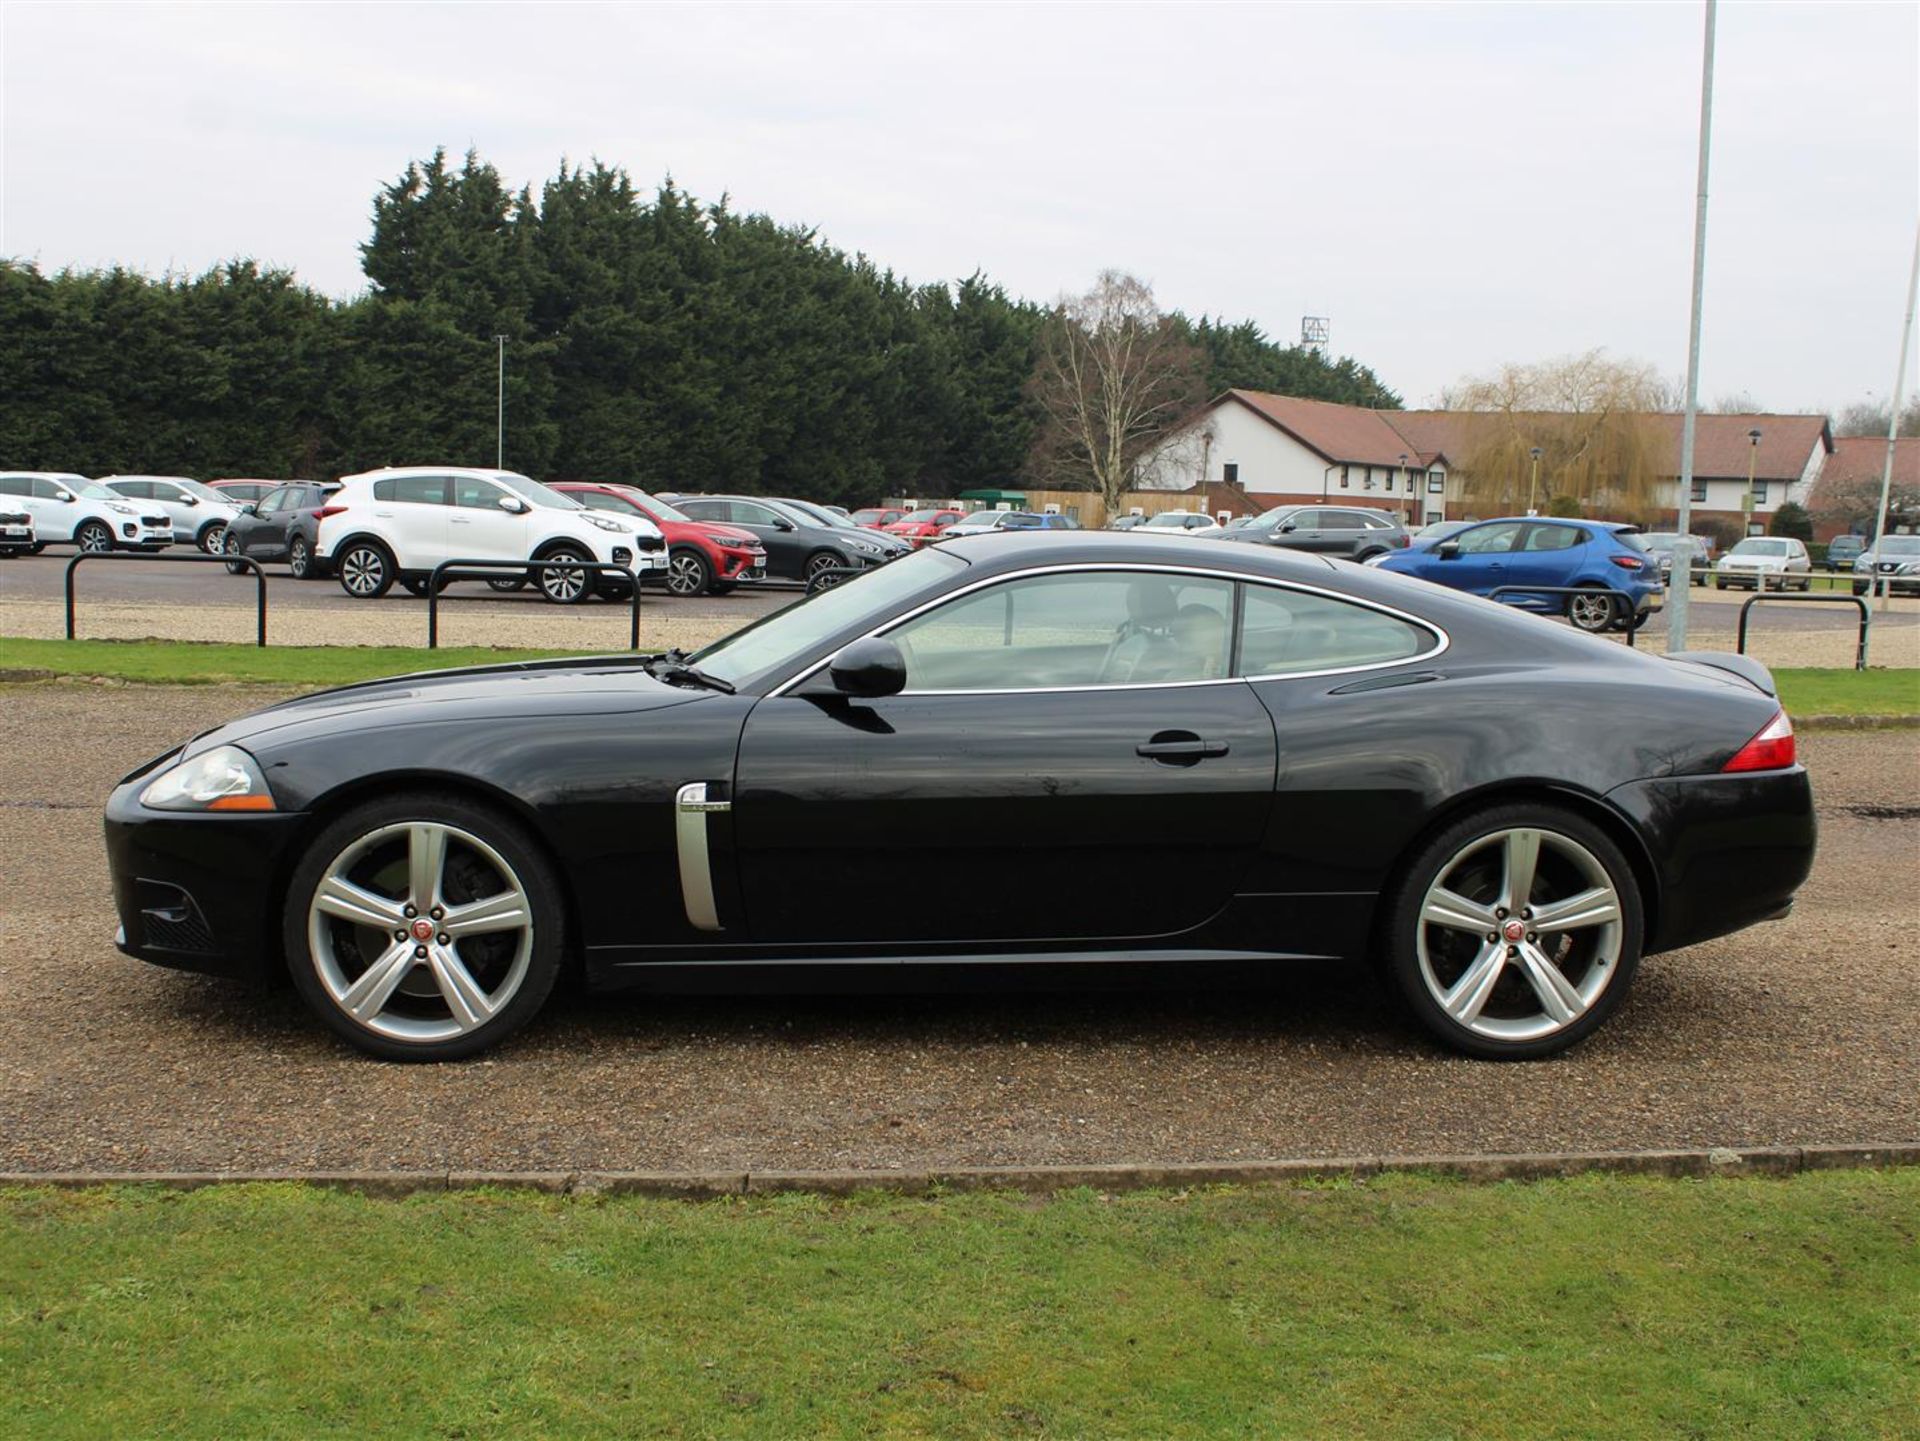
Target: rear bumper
198 892
1729 850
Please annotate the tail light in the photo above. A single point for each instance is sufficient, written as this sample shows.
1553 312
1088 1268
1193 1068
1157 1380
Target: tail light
326 510
1627 562
1771 750
1402 540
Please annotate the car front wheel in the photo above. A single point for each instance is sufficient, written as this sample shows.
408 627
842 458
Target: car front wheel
565 585
423 927
230 546
688 573
821 568
1514 933
212 537
366 570
94 537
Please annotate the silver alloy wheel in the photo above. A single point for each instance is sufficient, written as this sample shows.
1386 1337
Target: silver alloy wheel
213 538
820 573
299 557
562 586
1545 923
1591 612
95 537
230 545
386 938
686 574
362 570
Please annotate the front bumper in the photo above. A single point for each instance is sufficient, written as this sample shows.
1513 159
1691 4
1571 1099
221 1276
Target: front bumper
1728 851
199 892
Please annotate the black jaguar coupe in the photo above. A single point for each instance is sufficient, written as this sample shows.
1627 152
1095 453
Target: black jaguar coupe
1119 750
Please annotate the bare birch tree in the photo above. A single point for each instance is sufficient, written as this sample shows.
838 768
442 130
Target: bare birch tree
1114 377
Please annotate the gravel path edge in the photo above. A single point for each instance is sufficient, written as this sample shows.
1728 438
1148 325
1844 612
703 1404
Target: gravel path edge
699 1185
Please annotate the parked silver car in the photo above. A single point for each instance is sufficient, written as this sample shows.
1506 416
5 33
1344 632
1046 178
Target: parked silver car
1766 562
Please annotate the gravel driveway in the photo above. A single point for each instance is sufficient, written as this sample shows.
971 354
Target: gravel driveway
1801 1032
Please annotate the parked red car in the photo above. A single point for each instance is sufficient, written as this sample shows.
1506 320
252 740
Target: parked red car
703 557
875 518
918 527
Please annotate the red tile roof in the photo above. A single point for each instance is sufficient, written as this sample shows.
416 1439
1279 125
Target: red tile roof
1864 457
1349 434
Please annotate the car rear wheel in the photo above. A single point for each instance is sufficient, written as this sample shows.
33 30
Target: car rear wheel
564 585
1592 611
94 537
366 570
1515 932
415 584
423 927
300 558
688 573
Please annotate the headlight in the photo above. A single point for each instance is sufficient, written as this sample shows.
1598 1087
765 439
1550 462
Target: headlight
859 543
733 542
225 778
120 509
613 525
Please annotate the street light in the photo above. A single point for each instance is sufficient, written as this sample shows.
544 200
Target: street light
1534 484
1753 452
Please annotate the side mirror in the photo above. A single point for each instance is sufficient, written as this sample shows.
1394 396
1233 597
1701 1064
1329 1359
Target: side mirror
513 505
191 499
783 524
1288 528
252 507
65 495
1447 549
869 668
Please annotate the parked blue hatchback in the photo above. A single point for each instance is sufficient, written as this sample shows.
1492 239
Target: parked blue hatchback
1600 556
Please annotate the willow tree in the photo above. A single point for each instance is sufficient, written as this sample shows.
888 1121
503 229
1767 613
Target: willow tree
1604 452
1113 378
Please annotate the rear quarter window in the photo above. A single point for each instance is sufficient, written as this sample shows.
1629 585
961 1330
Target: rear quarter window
1285 632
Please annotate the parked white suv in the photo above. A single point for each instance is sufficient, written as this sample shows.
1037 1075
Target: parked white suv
69 509
198 512
1765 562
397 525
16 530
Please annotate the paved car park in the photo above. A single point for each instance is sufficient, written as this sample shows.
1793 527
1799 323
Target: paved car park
1799 1032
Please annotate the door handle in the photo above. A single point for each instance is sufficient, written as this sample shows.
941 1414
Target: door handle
1179 748
461 520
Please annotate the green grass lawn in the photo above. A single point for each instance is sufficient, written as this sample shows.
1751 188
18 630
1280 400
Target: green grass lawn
1601 1306
1805 692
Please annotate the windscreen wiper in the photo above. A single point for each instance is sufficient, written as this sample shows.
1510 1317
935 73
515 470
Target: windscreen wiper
671 667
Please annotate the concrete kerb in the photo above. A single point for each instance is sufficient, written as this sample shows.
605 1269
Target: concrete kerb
707 1185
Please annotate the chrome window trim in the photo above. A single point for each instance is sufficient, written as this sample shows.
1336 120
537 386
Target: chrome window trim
1444 641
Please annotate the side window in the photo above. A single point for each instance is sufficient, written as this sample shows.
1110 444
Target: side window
600 500
1488 539
703 509
1553 537
743 512
1342 520
1056 631
472 493
1284 631
413 489
48 489
15 485
275 503
133 489
156 490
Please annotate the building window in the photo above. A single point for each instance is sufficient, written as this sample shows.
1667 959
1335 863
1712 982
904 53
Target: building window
1369 478
1434 517
1759 492
1230 473
1699 491
1345 481
1436 483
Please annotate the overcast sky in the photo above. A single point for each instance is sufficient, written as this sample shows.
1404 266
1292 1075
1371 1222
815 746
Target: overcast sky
1454 186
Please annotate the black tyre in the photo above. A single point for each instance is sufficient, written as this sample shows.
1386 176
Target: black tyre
230 545
424 927
366 569
820 569
722 587
1593 611
300 558
506 583
1634 622
688 573
560 584
94 537
1514 932
415 584
212 537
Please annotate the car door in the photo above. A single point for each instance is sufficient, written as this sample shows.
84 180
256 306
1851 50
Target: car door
1477 558
478 528
412 511
1069 762
1547 553
263 535
54 518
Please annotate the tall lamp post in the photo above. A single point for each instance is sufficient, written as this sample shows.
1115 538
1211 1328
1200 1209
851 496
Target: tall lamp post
1533 484
500 416
1753 453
